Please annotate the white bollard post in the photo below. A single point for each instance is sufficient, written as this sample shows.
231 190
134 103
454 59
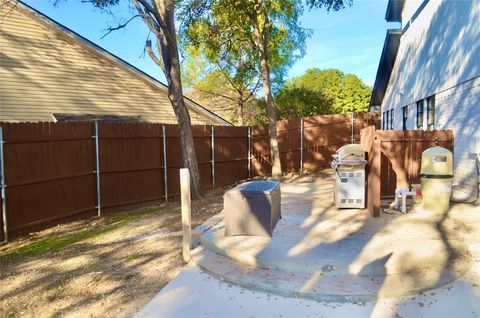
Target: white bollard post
249 153
301 144
186 213
213 155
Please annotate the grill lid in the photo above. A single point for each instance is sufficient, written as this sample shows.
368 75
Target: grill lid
351 152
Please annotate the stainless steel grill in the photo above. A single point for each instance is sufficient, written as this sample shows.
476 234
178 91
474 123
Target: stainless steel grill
349 164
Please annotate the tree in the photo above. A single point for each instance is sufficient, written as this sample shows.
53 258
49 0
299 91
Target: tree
356 95
294 101
273 29
227 85
319 92
158 15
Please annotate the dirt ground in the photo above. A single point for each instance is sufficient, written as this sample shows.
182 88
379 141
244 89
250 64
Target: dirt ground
112 273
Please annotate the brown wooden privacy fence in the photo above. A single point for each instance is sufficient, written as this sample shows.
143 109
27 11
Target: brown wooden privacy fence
53 172
394 159
308 143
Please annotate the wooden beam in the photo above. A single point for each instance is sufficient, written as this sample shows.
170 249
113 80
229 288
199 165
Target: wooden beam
186 213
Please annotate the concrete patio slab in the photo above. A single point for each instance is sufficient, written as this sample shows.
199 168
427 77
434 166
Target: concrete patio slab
195 294
333 263
326 254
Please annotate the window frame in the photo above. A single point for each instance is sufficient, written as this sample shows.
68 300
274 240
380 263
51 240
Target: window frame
404 117
391 118
387 119
420 114
430 112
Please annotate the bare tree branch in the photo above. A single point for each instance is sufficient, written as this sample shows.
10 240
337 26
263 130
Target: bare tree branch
160 20
227 76
120 26
147 18
214 94
252 91
148 48
12 3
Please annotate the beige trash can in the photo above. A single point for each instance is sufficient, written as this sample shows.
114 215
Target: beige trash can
436 177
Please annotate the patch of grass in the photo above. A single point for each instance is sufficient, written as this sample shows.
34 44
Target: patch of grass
55 243
60 288
131 258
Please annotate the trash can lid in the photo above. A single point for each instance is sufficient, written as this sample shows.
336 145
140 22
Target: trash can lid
437 161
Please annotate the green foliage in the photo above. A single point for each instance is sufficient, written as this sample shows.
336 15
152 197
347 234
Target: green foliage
221 92
334 5
224 31
255 37
219 35
256 112
295 101
319 92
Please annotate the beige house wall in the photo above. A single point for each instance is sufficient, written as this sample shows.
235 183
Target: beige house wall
47 69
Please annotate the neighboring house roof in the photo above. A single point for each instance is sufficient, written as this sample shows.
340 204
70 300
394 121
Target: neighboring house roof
385 66
94 117
120 63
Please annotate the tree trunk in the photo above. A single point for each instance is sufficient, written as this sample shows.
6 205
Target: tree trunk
172 71
189 155
262 42
272 121
240 109
158 15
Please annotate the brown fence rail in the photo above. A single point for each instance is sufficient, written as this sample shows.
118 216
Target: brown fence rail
51 173
394 159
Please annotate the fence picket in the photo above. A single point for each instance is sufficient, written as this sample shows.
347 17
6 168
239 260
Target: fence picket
57 179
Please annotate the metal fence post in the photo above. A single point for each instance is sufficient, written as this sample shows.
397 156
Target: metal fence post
97 171
165 172
213 156
249 155
301 144
4 202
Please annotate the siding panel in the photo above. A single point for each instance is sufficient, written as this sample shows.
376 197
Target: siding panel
56 74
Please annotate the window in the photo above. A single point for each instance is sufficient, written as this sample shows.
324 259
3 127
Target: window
405 117
387 119
391 119
431 112
420 115
383 120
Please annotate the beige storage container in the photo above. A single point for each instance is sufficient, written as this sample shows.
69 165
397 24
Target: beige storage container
436 176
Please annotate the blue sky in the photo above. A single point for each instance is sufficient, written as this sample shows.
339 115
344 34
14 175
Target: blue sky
350 40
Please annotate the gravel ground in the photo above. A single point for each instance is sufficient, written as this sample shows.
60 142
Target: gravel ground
112 274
